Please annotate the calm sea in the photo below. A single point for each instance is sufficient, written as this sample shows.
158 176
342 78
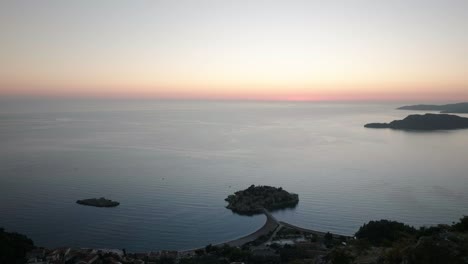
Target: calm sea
172 163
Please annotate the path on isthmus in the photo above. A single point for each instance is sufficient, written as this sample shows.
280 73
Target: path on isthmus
270 225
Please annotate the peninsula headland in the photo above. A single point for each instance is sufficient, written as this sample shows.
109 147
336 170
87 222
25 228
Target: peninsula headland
425 122
458 108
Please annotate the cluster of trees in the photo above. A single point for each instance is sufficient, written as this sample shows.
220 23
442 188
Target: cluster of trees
462 225
406 244
384 232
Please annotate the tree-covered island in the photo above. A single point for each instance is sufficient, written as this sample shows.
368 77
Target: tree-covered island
255 198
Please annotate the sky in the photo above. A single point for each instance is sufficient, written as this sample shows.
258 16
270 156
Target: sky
240 49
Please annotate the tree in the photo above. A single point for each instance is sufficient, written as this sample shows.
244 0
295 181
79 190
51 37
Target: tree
461 226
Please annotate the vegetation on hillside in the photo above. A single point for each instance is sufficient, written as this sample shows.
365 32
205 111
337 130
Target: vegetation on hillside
383 241
384 232
399 243
13 247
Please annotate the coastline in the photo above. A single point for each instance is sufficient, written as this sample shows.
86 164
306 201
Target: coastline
270 225
283 241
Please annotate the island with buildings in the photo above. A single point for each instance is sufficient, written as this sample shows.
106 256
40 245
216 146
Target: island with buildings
98 202
256 198
425 122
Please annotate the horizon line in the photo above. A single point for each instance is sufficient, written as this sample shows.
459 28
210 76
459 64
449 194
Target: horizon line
233 99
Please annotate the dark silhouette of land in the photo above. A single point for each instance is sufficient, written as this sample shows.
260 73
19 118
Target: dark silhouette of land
381 241
425 122
14 246
255 198
458 108
101 202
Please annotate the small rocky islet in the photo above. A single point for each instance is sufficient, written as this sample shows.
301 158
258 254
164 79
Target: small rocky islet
255 198
98 202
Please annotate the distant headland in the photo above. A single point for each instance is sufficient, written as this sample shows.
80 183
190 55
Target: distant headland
425 122
101 202
256 198
458 108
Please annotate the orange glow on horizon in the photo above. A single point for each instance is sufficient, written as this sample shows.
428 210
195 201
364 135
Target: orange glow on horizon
279 50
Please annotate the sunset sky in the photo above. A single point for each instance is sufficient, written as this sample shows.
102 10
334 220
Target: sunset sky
271 50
